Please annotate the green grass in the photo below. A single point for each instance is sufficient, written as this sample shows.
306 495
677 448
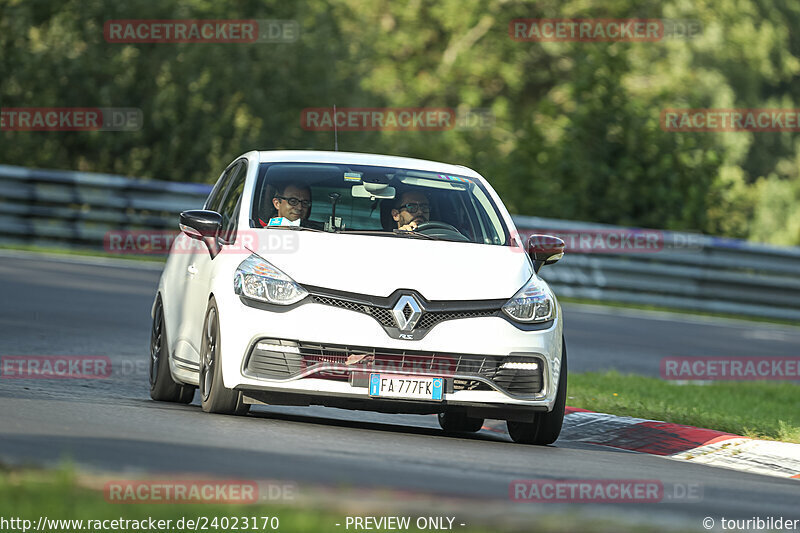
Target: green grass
64 494
57 495
758 409
83 252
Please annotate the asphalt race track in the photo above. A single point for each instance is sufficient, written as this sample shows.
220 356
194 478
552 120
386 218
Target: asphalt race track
56 306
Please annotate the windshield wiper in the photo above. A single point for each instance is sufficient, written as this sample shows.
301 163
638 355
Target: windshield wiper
397 232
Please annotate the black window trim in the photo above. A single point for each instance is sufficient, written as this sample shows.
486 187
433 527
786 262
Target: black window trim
264 166
243 164
222 183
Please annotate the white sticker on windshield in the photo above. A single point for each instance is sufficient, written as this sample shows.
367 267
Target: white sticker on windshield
352 176
282 221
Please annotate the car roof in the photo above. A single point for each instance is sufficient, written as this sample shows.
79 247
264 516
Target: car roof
354 158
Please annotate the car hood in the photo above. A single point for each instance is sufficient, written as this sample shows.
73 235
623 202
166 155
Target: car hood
379 265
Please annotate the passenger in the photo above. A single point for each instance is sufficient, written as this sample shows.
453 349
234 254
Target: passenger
293 203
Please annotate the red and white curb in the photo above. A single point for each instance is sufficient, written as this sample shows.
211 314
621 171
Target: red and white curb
678 442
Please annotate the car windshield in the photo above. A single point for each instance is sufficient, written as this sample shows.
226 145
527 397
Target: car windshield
380 200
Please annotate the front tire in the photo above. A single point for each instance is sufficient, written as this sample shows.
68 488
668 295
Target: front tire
162 387
459 422
215 398
546 427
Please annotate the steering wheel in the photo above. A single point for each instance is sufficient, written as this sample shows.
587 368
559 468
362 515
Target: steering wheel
441 229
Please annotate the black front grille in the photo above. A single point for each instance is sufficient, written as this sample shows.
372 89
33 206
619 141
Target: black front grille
384 315
342 361
389 360
273 364
429 320
519 381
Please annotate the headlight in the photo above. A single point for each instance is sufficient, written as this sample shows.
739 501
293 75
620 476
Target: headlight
258 279
533 303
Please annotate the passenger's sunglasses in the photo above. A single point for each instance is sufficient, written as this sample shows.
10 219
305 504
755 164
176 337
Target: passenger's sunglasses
294 202
414 207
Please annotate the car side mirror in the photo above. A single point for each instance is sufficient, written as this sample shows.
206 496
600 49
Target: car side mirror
203 226
545 250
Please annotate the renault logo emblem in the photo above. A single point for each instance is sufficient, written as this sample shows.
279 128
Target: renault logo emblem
407 313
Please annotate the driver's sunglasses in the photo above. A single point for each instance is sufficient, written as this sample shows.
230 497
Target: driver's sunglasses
414 207
294 202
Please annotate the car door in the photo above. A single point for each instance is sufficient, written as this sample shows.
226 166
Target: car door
199 271
185 255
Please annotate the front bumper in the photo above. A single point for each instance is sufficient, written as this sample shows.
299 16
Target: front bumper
332 381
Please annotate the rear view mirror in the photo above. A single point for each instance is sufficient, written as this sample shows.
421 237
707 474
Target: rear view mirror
545 250
373 191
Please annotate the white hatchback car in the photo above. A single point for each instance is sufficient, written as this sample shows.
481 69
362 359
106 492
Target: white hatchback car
365 282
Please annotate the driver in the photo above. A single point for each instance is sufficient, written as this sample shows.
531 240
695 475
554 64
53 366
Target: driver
292 201
411 209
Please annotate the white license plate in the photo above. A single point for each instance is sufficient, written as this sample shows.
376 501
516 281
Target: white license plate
411 387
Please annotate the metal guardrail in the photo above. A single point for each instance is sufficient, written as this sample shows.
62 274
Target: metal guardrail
685 271
77 209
